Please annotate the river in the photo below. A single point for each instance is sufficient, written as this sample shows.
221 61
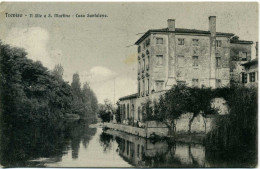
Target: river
75 144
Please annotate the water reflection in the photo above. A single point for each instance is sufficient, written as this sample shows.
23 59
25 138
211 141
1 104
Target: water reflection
33 145
141 152
75 144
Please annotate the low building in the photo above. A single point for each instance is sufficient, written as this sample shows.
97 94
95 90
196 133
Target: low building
128 110
240 53
250 71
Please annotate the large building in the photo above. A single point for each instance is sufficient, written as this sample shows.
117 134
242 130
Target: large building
172 55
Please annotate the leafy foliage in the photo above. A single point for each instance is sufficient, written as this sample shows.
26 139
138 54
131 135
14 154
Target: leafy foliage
178 101
239 127
106 111
170 107
32 93
118 114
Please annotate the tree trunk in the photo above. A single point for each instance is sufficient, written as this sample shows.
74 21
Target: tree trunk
171 128
190 123
205 125
171 131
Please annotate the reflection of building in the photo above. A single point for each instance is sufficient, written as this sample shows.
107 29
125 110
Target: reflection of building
141 152
174 55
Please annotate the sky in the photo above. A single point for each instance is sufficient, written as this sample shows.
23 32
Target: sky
102 50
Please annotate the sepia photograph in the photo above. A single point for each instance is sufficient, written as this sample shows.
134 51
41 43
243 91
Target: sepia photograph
129 84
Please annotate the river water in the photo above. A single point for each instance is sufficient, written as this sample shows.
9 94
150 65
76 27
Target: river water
75 144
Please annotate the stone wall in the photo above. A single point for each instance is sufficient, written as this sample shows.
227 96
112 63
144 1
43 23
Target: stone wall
199 125
127 129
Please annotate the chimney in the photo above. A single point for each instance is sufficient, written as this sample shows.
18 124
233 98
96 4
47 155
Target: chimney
171 24
212 25
212 68
171 58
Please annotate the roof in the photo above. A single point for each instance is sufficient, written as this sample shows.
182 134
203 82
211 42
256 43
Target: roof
241 41
180 30
252 62
132 96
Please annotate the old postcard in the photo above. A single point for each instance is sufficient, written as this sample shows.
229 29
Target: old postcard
129 84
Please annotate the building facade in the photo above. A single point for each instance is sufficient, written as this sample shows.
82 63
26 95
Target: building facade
172 55
250 71
240 53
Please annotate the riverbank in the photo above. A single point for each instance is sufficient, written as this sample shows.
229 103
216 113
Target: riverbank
156 133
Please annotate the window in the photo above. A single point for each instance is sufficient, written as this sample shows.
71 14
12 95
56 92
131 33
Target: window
218 61
195 82
127 147
218 83
147 42
195 42
252 77
180 41
143 87
139 49
143 45
143 65
243 56
124 111
244 77
195 61
139 67
139 113
128 111
139 88
148 62
159 85
159 60
147 87
142 153
132 110
180 61
121 110
159 40
218 43
138 150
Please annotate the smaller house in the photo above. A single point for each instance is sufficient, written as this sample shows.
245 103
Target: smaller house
128 109
250 74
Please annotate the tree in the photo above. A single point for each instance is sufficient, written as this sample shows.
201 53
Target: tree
78 106
199 102
178 101
106 110
29 92
118 114
170 107
75 84
90 102
58 71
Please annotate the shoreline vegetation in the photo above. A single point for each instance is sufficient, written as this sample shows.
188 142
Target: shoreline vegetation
31 93
235 132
